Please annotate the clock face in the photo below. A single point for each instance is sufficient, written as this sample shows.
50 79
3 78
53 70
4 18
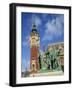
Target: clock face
34 40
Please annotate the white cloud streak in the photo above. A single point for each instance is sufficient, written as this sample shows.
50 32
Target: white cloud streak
26 42
25 64
54 28
36 19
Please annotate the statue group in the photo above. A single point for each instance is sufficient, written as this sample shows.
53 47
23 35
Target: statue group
50 60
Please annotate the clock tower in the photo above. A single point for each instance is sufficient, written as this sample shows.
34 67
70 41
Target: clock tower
34 49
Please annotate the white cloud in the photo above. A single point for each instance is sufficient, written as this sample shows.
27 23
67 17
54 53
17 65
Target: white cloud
26 42
25 64
44 16
53 28
47 37
37 20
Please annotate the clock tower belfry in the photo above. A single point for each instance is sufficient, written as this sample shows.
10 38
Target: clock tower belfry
34 49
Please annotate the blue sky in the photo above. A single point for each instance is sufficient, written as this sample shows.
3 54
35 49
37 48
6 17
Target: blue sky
50 28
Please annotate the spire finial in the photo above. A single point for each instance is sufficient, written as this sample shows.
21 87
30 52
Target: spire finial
34 21
34 28
34 18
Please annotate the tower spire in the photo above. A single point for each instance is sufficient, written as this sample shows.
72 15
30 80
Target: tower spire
34 27
34 22
34 18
